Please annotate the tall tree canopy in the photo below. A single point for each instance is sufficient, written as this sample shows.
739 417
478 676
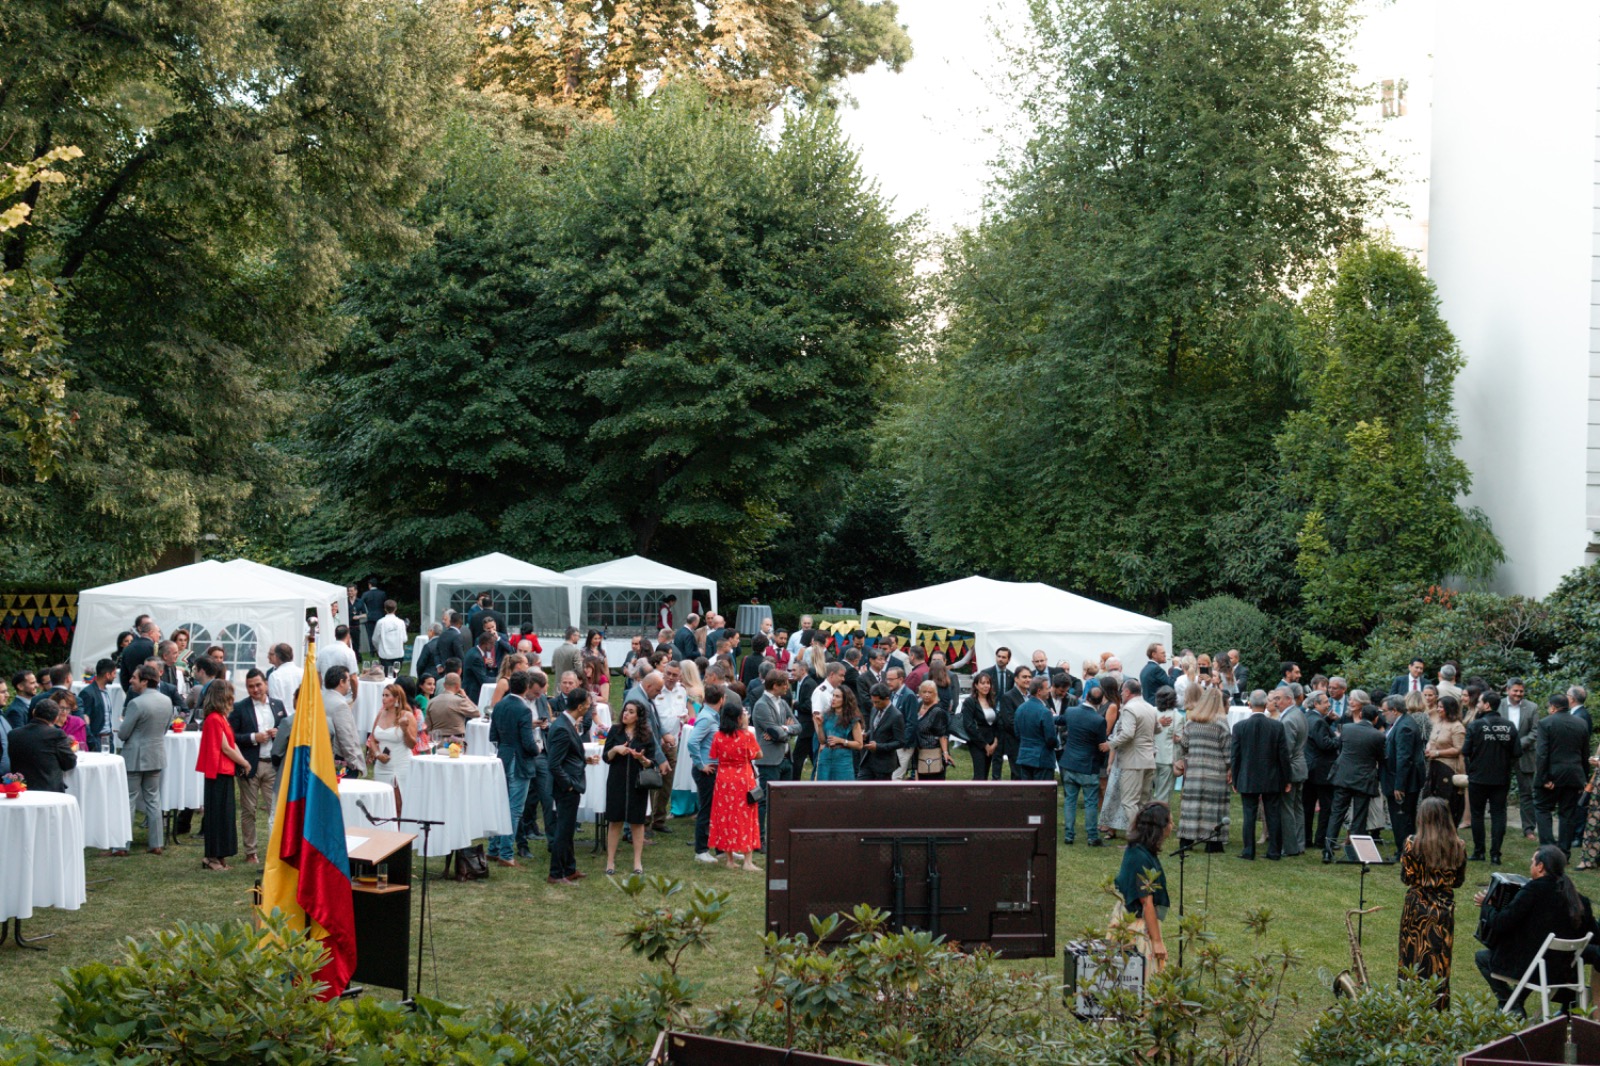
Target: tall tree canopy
684 322
581 56
1119 349
1370 461
238 154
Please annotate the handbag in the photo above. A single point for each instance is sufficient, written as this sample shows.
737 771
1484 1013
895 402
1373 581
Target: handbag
757 793
472 864
649 779
930 760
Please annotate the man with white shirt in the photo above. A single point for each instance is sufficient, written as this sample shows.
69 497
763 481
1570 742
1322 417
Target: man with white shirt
1410 681
338 652
347 745
1524 715
283 679
672 702
802 635
389 639
255 721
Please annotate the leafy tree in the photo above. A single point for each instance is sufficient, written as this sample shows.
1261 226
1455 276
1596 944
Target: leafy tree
238 155
1219 623
576 58
1370 459
649 351
1119 352
33 378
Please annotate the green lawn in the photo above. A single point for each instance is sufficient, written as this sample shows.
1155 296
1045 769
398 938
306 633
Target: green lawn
515 937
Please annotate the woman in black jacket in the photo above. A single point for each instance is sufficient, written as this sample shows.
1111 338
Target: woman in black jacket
978 713
1549 903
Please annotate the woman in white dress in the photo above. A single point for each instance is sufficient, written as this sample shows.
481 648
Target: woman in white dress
393 736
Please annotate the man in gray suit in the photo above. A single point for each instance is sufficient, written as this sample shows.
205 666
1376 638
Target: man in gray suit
1296 725
143 733
1524 714
347 746
1358 775
776 725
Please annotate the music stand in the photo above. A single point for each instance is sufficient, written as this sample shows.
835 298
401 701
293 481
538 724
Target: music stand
1365 851
1183 856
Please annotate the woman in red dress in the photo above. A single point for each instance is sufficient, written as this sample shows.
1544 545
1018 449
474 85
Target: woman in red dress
735 828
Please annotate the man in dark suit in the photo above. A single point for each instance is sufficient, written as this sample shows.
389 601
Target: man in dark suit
875 673
1000 673
428 659
478 668
885 736
480 622
372 602
511 731
1322 753
452 643
1358 775
40 751
1260 767
1577 697
94 706
1153 678
1005 720
684 645
1561 769
852 673
568 780
1491 752
256 722
1410 681
141 648
1405 770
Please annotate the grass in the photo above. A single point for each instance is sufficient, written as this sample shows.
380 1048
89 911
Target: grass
514 937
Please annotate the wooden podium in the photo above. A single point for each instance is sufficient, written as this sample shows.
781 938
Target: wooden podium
383 915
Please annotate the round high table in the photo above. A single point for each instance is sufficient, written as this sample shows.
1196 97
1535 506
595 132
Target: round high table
183 788
467 794
377 795
478 737
368 702
100 785
486 696
1237 715
41 837
751 615
417 645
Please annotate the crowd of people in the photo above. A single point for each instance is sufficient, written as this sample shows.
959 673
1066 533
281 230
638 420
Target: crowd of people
700 718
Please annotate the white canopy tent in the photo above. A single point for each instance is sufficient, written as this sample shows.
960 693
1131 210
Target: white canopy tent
236 607
528 597
624 595
329 597
1023 616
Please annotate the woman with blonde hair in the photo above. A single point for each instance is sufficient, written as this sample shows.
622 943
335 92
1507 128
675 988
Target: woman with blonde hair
1202 746
693 685
508 665
394 734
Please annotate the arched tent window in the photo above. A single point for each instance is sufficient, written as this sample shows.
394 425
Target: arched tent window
199 637
238 646
517 609
461 599
621 610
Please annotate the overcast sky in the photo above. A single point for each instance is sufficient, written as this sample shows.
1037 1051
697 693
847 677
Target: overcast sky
925 133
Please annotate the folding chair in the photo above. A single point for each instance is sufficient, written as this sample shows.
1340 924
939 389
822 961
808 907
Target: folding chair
1537 969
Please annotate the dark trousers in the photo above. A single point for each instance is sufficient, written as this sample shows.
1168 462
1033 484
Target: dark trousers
865 772
1501 989
1527 811
1035 773
1315 798
563 860
1272 803
980 761
705 784
540 798
1403 817
1560 801
1008 747
766 775
1494 797
805 751
1353 804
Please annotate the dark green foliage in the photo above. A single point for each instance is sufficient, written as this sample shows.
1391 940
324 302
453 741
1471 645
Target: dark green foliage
1118 319
1484 634
1573 632
1399 1026
1370 460
1219 623
237 155
649 350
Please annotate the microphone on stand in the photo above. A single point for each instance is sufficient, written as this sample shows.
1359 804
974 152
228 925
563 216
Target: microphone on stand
363 805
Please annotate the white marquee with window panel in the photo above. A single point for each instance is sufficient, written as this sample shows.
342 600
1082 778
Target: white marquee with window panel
528 597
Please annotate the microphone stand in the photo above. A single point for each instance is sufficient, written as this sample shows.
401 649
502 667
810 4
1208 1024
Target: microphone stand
1183 856
423 917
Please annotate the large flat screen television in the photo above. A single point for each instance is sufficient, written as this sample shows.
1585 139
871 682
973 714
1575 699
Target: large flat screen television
974 862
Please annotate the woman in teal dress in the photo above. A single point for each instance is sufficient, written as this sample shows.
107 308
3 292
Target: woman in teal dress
839 737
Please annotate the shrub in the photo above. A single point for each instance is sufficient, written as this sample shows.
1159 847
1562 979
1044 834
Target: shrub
1219 623
1482 633
1400 1027
1574 631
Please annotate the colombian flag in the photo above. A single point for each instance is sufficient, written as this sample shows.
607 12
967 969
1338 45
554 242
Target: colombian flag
308 872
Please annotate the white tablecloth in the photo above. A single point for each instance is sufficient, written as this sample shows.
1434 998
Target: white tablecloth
593 803
369 701
486 696
1237 715
183 788
478 737
377 795
416 651
116 698
751 615
100 784
468 794
41 839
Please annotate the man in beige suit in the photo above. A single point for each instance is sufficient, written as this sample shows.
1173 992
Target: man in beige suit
449 711
1134 741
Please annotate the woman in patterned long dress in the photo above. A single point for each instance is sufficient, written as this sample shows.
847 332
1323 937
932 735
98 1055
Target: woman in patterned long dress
1112 817
735 828
1433 866
1202 750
